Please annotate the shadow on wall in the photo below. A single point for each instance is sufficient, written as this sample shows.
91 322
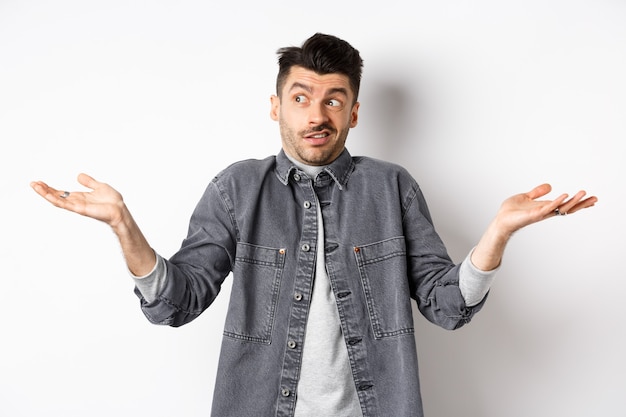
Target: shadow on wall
395 130
385 121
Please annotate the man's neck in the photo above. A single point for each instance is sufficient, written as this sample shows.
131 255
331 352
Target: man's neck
311 170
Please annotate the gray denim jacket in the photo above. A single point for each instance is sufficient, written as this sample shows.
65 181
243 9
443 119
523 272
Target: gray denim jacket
257 219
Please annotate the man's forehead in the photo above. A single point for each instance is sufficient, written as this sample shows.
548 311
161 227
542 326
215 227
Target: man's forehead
312 81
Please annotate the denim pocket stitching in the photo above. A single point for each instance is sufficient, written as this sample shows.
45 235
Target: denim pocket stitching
380 253
261 257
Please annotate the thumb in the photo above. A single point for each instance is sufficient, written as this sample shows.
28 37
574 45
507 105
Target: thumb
87 181
539 191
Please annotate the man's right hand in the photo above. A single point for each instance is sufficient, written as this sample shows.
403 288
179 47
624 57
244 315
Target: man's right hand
104 203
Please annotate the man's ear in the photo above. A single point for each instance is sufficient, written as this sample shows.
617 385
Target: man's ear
354 116
275 109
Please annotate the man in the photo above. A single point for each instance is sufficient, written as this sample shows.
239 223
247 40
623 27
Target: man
325 249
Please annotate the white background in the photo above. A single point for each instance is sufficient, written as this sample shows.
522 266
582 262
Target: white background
479 100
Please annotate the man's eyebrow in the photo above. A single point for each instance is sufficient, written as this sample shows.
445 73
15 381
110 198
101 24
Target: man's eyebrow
340 90
300 85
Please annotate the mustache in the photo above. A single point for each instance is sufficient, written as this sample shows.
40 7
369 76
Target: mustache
318 128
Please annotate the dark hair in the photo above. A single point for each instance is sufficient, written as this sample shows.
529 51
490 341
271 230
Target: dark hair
324 54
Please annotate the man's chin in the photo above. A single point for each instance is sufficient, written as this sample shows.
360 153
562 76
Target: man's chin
318 158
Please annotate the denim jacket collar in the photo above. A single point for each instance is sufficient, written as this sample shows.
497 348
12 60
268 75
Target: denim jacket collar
339 170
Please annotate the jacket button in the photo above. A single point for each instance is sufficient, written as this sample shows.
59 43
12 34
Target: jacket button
296 177
285 392
297 296
291 344
306 247
355 340
307 204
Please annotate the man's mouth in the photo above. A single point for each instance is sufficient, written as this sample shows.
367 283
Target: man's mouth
318 135
317 138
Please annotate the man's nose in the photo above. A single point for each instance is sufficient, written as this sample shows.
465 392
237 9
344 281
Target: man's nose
317 114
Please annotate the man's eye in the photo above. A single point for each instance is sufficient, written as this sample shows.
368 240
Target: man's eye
334 103
300 99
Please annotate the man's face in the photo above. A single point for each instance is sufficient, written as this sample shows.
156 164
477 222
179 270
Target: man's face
315 113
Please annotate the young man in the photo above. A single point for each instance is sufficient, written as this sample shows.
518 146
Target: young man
326 251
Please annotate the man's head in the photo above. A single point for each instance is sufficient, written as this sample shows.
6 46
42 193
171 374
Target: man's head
316 97
322 54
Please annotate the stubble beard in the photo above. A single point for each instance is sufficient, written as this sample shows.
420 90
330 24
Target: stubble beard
316 156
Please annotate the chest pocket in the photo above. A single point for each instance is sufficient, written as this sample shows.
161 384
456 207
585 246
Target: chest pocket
254 295
383 271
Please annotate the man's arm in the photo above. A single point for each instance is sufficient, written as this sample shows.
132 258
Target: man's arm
107 205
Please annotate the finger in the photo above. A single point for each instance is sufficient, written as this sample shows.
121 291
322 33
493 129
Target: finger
554 207
586 203
558 202
53 195
38 186
539 191
43 189
567 206
87 181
